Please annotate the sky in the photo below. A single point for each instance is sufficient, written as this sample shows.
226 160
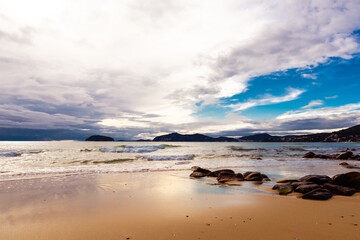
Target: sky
135 69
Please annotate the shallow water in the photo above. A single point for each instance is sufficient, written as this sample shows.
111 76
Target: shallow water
29 159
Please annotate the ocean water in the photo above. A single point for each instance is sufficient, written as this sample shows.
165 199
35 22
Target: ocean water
37 159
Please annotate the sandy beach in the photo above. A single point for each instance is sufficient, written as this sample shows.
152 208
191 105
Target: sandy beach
166 205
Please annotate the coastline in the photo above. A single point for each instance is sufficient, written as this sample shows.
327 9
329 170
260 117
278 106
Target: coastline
165 205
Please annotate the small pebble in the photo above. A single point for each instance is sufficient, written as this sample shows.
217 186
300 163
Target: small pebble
355 224
330 223
208 224
187 216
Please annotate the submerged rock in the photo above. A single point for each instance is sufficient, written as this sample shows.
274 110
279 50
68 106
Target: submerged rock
283 189
309 155
339 190
345 155
318 194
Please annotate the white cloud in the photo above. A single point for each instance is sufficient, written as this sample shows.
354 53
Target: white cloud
268 99
111 57
311 76
314 103
332 97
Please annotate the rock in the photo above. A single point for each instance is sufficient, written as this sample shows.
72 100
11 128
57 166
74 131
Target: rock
198 174
344 156
296 184
309 155
239 177
199 169
99 138
227 177
285 189
264 176
216 173
339 190
304 188
246 174
287 180
319 179
318 194
344 164
254 176
350 179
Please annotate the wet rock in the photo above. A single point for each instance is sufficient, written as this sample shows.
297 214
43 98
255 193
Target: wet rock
319 179
344 156
239 177
226 177
350 179
287 180
285 189
339 190
217 172
199 169
265 177
296 184
309 155
344 164
318 194
254 176
198 174
246 174
305 188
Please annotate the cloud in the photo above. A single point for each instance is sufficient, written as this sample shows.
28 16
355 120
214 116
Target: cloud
268 99
314 103
75 63
311 76
332 97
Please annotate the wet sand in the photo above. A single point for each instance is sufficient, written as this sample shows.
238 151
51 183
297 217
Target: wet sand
166 205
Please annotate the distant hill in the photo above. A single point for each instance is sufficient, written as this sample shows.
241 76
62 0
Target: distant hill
176 137
256 137
99 138
351 134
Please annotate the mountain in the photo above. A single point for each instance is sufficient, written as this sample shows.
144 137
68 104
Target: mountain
176 137
99 138
256 137
351 134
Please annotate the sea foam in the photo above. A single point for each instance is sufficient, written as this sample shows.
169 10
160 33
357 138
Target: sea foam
133 149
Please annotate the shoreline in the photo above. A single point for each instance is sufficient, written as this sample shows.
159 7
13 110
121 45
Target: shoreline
166 205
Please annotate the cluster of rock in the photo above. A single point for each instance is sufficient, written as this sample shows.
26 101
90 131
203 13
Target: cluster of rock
321 187
228 175
348 155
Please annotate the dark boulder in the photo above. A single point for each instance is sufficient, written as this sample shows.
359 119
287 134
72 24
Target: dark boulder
307 188
199 169
246 174
318 194
344 164
319 179
265 177
198 174
254 176
239 177
227 177
309 155
350 179
296 184
99 138
287 180
217 172
345 155
339 190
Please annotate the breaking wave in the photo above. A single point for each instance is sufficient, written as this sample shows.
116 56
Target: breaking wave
133 149
169 158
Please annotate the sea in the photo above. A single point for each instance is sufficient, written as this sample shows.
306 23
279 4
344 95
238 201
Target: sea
19 160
